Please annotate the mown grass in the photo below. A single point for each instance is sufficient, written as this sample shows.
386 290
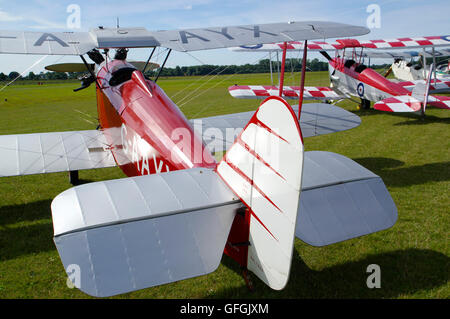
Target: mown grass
411 155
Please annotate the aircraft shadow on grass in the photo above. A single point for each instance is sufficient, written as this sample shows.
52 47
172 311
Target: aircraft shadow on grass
429 119
22 240
402 272
412 118
393 174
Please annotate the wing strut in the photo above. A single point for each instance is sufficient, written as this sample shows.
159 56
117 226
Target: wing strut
148 60
283 62
162 66
302 81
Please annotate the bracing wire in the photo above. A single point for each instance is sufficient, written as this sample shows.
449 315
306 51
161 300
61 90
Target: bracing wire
203 92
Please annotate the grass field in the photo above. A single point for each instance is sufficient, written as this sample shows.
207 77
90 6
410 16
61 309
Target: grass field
411 155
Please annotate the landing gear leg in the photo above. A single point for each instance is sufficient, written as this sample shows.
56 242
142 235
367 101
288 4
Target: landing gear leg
365 104
248 283
73 178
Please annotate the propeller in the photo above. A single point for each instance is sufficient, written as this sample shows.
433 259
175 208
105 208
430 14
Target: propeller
69 67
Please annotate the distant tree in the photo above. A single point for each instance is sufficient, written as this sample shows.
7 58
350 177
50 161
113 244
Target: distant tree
32 76
3 77
13 75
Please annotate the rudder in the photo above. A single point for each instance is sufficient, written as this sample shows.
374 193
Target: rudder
264 168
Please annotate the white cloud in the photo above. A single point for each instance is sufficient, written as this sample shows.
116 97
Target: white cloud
7 17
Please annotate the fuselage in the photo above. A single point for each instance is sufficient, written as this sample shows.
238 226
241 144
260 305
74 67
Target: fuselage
146 132
358 80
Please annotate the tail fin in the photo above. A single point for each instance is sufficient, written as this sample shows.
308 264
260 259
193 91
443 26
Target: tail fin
264 168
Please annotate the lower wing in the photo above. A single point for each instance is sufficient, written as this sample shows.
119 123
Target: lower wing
289 92
219 132
39 153
406 103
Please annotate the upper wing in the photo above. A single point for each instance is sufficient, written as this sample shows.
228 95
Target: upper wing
58 43
71 43
289 92
39 153
408 42
397 54
291 46
415 42
219 132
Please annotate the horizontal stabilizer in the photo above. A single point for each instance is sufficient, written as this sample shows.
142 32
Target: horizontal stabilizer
40 153
341 200
138 232
121 233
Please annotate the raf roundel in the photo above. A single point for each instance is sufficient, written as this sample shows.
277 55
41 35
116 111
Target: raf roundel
360 89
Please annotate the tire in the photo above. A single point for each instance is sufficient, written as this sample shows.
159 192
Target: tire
365 104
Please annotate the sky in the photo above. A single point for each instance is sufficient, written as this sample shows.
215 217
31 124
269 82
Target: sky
398 18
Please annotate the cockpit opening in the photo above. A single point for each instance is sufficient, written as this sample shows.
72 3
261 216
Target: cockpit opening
120 76
349 63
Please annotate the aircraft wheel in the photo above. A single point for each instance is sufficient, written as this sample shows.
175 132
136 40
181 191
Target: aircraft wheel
365 104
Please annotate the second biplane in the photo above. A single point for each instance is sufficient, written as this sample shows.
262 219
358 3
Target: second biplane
349 76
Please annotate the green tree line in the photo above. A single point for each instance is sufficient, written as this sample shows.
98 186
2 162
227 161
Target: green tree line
263 66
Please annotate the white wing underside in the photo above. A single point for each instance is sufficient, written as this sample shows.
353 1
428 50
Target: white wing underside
77 43
41 153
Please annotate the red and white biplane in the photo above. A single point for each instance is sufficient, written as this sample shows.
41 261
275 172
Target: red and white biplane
179 210
350 77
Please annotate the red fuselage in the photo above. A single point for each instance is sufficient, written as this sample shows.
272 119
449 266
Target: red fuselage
375 86
146 131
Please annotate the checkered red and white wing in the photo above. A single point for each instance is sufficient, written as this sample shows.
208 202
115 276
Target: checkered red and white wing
439 101
289 92
408 103
403 103
413 42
